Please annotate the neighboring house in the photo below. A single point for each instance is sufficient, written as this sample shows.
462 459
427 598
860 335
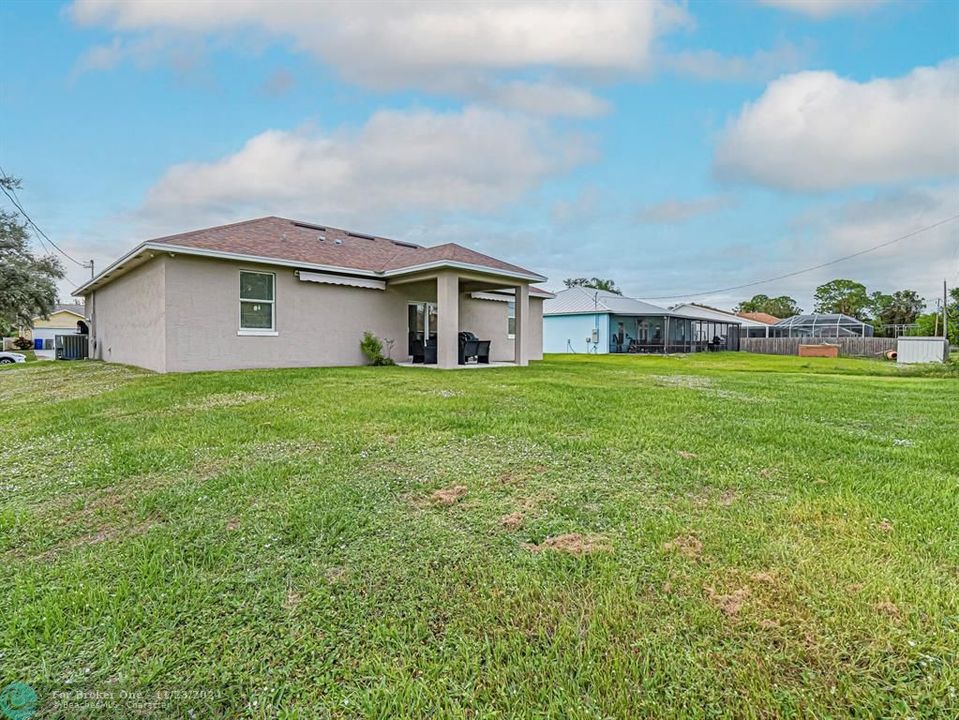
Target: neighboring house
748 326
760 317
273 292
595 321
62 321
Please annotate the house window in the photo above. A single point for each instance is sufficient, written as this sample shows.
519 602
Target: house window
511 319
257 303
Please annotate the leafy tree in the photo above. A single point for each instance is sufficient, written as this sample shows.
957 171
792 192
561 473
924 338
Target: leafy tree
28 283
594 284
843 296
900 308
931 323
781 307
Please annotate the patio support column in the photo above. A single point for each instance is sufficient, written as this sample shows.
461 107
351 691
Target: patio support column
447 311
521 338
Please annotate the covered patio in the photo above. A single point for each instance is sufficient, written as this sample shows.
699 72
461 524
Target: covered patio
441 307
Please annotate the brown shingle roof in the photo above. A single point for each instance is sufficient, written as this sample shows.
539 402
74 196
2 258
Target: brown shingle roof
291 240
759 317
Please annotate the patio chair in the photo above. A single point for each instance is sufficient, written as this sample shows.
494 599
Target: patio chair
418 351
468 349
482 351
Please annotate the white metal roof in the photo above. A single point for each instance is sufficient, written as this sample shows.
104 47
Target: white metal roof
586 300
701 312
578 300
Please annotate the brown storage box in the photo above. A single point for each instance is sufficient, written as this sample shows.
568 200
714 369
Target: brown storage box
827 351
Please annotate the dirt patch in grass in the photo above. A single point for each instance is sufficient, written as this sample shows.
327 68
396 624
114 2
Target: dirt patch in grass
571 543
764 578
232 523
728 603
709 496
887 608
104 534
221 400
687 545
885 526
336 574
449 496
293 599
686 455
513 521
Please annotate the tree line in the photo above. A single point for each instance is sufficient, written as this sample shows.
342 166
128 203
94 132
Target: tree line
882 310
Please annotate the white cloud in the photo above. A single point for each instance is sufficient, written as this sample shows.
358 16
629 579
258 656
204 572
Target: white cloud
398 163
816 131
449 47
760 66
674 212
821 9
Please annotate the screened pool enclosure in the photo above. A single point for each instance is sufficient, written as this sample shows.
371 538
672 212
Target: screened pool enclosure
670 333
821 326
597 321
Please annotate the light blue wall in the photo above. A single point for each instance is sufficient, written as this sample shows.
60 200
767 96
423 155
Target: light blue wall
562 331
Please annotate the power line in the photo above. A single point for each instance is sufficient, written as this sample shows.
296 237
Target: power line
12 196
804 270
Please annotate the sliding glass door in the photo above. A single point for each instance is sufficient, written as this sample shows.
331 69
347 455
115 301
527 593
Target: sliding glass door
422 323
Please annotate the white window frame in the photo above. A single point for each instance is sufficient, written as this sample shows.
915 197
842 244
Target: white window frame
260 332
510 307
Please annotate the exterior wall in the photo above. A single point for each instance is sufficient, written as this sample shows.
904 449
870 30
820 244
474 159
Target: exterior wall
536 328
488 320
568 333
182 315
316 324
129 317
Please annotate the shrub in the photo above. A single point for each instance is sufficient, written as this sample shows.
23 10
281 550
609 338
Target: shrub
21 343
372 347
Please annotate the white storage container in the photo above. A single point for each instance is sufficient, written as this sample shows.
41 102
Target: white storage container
921 350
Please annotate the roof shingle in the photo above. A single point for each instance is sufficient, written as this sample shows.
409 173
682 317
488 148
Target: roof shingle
290 240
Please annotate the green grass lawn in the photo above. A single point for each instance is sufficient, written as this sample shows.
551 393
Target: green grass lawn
590 537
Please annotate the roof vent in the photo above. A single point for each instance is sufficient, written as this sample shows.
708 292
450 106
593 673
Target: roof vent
337 242
358 235
308 226
404 244
321 237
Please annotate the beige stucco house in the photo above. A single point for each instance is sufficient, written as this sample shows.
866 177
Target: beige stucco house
273 292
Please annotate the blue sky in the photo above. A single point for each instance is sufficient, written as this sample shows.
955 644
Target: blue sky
675 147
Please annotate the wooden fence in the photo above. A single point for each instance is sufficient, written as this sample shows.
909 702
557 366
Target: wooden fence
848 346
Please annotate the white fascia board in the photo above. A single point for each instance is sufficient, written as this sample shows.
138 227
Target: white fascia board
328 279
437 264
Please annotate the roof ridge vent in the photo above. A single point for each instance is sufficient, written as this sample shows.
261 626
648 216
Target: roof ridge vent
404 244
361 236
308 226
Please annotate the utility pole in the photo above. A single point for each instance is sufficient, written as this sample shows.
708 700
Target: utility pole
945 312
91 269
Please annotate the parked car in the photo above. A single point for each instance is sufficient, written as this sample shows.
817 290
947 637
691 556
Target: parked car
8 358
